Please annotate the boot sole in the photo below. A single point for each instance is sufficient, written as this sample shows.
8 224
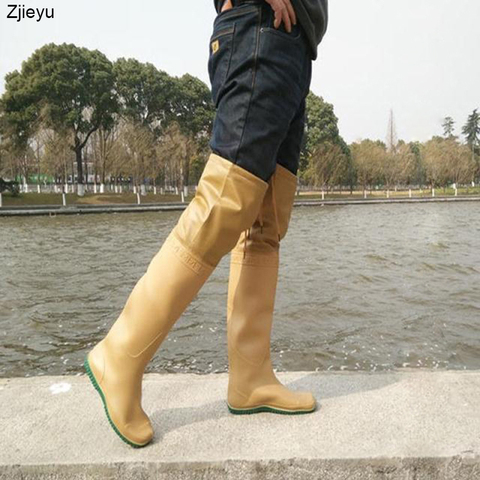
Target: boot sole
91 376
266 408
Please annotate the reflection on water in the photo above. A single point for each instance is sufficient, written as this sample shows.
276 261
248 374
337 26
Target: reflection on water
361 287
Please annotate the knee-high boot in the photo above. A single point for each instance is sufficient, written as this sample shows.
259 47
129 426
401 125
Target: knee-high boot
253 386
226 202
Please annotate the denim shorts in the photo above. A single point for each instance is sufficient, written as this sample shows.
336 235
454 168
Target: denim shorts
260 77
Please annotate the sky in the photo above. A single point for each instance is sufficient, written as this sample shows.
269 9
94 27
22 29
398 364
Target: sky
418 58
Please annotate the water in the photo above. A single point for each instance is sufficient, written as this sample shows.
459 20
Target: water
361 287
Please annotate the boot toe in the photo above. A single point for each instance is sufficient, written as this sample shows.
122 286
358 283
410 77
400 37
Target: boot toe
138 430
140 434
306 401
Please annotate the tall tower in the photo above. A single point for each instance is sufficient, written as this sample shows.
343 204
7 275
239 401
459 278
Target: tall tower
392 139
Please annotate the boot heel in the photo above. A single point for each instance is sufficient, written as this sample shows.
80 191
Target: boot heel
91 376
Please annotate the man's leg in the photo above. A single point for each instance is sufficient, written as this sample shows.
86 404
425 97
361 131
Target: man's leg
229 195
256 101
260 97
226 202
253 386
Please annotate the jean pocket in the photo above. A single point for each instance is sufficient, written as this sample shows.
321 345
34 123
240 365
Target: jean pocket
236 11
294 35
219 59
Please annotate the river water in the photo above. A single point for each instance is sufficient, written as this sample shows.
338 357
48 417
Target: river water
361 287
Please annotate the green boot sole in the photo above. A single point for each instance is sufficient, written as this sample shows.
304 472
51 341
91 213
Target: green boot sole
266 408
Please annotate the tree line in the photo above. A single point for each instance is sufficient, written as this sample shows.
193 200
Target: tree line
438 162
71 106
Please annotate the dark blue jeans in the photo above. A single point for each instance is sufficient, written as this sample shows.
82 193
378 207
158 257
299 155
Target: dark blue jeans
260 77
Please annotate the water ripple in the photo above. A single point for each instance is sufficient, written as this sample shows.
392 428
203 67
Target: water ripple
359 288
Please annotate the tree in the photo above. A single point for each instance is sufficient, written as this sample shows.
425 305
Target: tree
139 144
193 111
448 127
458 163
321 126
57 157
368 159
418 175
398 165
18 122
18 110
471 130
172 147
328 165
103 143
70 89
154 100
433 154
145 94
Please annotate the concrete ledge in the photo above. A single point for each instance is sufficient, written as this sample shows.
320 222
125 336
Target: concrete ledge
171 206
381 425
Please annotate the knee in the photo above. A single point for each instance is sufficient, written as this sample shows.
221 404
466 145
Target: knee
271 224
226 203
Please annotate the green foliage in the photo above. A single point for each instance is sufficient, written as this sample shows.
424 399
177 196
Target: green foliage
369 156
18 110
446 161
328 165
144 92
321 123
63 87
73 88
471 129
418 174
321 128
192 107
448 127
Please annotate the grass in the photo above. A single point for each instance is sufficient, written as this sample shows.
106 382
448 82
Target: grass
377 194
35 199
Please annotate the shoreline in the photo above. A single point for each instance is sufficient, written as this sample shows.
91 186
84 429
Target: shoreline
177 206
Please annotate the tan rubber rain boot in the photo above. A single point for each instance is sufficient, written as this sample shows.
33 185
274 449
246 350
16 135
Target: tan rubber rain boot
253 386
227 202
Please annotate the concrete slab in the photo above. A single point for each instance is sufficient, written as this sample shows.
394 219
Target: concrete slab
380 425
